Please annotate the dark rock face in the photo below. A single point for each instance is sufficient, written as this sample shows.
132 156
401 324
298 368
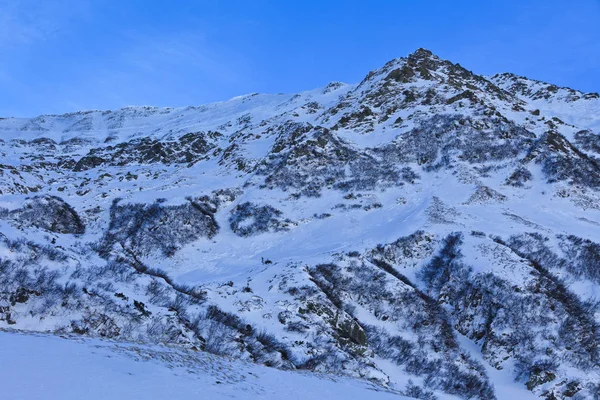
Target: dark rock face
309 159
44 144
188 148
50 213
352 330
87 162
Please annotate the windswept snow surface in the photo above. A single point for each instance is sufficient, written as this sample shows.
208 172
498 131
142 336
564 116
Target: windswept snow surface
40 367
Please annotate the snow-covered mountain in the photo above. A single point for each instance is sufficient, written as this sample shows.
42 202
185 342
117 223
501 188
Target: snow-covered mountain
427 225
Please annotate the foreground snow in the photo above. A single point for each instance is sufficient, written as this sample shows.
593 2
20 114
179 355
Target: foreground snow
52 367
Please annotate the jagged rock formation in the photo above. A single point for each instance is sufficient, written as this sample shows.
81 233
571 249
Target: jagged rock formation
427 222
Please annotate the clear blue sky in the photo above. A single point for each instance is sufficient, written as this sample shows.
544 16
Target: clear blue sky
67 55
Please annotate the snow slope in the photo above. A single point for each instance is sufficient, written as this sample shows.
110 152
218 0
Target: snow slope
50 367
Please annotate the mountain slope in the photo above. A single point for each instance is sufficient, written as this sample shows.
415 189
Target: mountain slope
427 222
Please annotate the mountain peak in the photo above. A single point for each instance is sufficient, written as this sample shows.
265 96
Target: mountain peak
421 53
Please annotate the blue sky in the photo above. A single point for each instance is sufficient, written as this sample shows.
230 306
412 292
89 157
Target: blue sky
67 55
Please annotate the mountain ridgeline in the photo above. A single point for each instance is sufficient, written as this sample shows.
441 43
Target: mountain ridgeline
429 229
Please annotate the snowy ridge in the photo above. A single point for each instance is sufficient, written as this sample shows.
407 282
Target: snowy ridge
427 225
